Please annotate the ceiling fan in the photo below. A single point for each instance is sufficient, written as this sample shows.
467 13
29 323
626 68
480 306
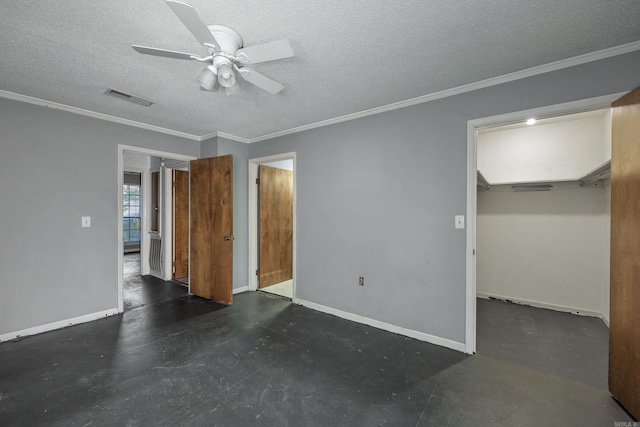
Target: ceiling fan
226 55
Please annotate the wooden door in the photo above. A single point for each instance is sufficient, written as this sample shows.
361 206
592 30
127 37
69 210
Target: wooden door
624 334
211 228
275 225
180 201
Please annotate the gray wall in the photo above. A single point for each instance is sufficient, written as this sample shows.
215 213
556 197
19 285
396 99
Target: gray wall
209 148
547 249
240 152
377 197
52 269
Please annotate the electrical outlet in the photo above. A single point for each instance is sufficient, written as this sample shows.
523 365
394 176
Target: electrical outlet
86 221
361 281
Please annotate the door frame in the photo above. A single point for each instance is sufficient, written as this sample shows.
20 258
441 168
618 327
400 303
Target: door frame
472 157
254 165
146 214
145 179
173 223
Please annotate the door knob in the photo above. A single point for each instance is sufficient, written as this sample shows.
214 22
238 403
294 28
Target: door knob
228 238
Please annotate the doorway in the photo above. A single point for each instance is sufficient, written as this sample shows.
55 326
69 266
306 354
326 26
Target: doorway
542 246
473 127
543 215
275 228
147 243
272 219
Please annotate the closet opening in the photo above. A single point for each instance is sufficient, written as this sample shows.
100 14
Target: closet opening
542 233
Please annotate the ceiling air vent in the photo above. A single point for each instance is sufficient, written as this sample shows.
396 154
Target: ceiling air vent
532 187
128 97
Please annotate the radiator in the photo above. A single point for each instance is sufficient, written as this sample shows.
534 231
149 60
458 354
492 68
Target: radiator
155 253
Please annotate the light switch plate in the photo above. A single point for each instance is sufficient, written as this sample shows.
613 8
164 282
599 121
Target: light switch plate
86 221
460 221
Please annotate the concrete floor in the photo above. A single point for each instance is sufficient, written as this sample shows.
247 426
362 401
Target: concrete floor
145 290
264 361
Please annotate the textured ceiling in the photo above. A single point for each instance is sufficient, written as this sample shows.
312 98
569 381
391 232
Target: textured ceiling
350 55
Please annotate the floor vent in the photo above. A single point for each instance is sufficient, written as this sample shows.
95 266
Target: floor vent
532 187
128 97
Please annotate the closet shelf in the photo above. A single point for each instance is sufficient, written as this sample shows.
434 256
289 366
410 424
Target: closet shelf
601 172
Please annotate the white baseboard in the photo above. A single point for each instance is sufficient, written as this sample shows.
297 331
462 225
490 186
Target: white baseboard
538 304
240 290
605 319
443 342
57 325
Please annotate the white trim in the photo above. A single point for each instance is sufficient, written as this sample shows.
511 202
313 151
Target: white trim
93 114
539 304
472 128
529 72
58 325
547 111
231 137
470 246
166 221
120 245
120 232
145 267
240 290
443 342
208 136
144 208
253 216
605 319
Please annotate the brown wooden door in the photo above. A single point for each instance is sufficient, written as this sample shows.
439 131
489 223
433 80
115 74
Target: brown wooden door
211 228
624 334
276 226
180 201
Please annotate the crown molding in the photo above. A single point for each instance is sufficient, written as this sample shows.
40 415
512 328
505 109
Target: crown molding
93 114
517 75
208 136
234 138
529 72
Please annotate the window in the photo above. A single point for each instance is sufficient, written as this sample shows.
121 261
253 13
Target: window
131 213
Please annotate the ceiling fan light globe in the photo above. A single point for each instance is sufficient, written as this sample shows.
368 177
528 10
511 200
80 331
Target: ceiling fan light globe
207 78
228 82
226 77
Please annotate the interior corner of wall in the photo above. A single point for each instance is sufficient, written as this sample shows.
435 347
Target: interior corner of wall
209 147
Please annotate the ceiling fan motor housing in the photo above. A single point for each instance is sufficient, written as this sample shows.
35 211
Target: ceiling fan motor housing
228 39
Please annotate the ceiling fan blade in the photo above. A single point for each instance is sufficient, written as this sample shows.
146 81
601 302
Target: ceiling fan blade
260 80
190 18
164 52
278 49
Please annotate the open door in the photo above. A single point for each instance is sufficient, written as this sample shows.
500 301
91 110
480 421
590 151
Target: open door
211 228
624 341
180 201
275 226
